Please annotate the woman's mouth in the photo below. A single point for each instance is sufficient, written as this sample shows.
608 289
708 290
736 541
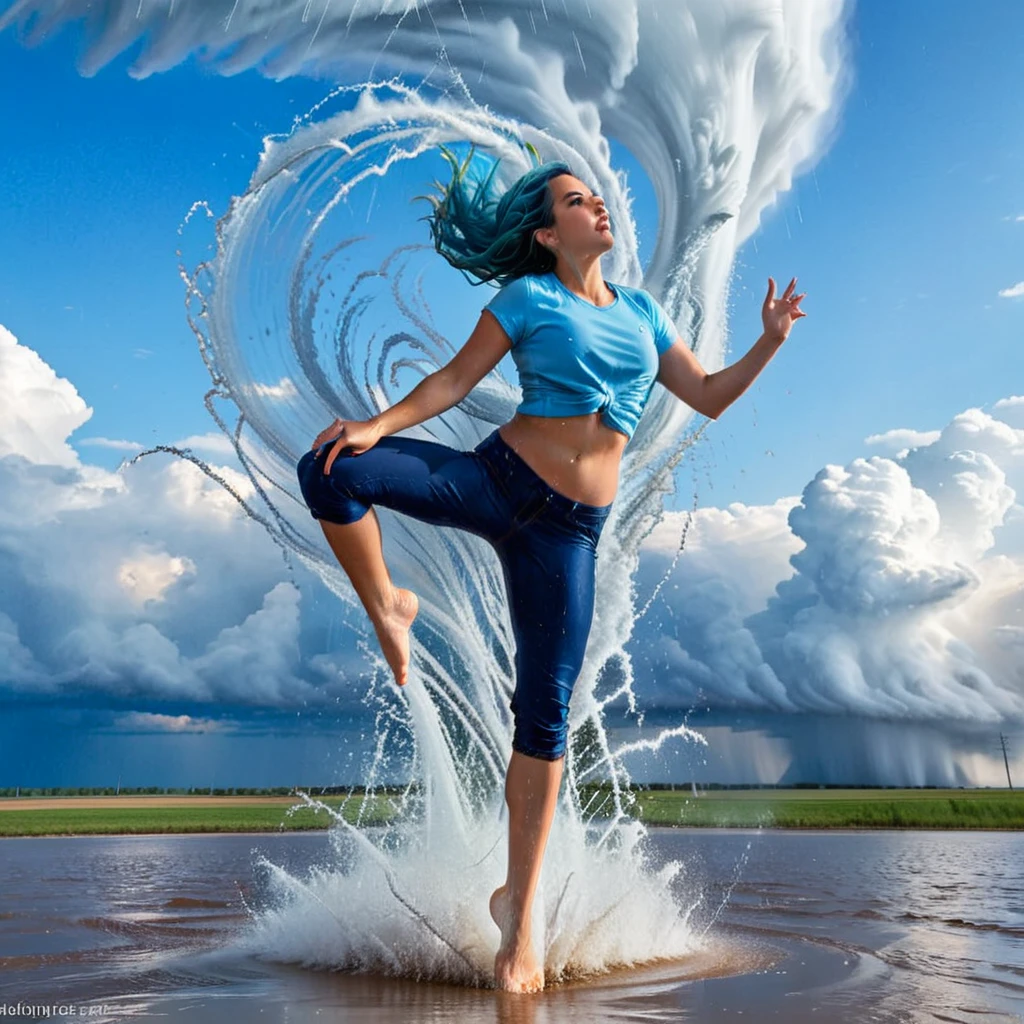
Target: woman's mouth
603 224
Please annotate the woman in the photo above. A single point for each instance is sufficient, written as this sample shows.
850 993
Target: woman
541 486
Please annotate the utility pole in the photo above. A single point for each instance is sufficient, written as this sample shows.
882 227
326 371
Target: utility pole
1002 740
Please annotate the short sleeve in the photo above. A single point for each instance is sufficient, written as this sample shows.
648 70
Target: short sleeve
665 332
511 307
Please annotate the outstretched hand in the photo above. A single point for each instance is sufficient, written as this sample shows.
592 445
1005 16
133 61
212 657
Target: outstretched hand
779 314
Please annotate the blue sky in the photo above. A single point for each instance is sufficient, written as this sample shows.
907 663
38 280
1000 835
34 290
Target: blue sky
903 235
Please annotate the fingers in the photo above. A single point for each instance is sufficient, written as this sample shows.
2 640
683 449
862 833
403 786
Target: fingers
786 296
336 428
332 455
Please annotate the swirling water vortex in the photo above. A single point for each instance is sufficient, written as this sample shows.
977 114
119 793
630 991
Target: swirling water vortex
300 320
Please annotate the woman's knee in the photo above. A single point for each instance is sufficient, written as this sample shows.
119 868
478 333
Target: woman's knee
302 471
324 494
309 470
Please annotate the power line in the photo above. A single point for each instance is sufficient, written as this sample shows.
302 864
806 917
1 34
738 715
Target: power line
1006 761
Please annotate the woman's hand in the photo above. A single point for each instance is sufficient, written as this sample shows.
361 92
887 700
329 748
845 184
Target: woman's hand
359 435
778 314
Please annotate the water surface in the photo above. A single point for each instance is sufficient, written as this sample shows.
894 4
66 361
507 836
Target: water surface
800 926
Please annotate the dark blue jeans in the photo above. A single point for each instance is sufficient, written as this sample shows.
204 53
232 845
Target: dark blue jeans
545 541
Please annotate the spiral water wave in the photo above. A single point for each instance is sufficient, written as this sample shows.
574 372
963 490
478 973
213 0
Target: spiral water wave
301 317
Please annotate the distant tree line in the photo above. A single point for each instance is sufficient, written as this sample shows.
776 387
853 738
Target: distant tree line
35 791
27 791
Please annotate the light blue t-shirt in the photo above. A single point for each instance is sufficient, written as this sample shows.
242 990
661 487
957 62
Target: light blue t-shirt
574 357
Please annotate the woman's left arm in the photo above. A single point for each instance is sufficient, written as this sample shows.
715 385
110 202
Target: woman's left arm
712 393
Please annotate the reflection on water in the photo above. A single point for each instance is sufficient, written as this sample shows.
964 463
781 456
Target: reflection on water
853 926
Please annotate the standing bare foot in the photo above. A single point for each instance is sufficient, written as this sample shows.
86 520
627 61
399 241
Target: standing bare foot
392 626
515 966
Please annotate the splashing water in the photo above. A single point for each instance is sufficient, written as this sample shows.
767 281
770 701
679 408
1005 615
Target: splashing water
401 912
300 320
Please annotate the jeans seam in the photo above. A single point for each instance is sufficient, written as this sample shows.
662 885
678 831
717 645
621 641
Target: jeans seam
543 756
534 517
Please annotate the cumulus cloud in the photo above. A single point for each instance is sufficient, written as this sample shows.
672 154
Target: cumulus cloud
877 593
19 666
150 582
1011 410
148 574
1013 292
887 589
39 409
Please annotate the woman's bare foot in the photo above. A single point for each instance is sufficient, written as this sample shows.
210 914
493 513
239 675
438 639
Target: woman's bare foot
515 966
392 626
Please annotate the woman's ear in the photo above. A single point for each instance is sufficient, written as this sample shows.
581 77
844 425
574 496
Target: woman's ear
546 241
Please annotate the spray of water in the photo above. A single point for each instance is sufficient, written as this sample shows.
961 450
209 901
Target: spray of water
299 319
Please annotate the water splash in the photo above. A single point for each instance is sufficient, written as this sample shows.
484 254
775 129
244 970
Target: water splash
412 901
290 353
299 319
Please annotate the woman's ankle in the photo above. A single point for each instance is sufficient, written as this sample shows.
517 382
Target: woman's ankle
380 603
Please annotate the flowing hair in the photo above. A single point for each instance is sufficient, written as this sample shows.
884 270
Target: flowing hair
489 238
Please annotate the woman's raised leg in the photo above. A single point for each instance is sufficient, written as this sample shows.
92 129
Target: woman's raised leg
423 479
359 549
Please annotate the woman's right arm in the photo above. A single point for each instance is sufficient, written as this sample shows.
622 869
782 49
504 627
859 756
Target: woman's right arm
433 395
448 386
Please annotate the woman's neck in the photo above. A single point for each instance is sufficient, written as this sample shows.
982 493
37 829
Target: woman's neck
587 284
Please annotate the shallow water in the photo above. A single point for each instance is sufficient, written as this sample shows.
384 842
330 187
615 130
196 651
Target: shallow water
852 926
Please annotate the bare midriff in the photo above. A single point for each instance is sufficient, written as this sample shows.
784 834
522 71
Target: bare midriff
577 456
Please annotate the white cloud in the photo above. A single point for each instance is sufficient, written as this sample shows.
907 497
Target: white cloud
891 587
1013 292
147 721
151 581
38 409
148 574
882 593
1011 410
900 440
191 489
108 442
215 443
284 388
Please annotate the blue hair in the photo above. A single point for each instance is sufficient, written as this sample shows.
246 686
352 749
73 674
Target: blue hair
491 238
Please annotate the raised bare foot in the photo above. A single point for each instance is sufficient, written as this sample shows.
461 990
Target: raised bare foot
392 628
515 966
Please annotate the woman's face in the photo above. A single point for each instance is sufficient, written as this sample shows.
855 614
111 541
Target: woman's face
581 220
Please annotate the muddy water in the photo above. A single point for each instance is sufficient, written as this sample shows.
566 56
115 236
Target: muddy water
801 926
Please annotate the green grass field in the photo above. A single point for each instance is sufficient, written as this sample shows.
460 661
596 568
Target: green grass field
836 808
774 808
228 818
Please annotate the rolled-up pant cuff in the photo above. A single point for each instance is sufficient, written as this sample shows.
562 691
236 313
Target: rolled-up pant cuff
543 755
